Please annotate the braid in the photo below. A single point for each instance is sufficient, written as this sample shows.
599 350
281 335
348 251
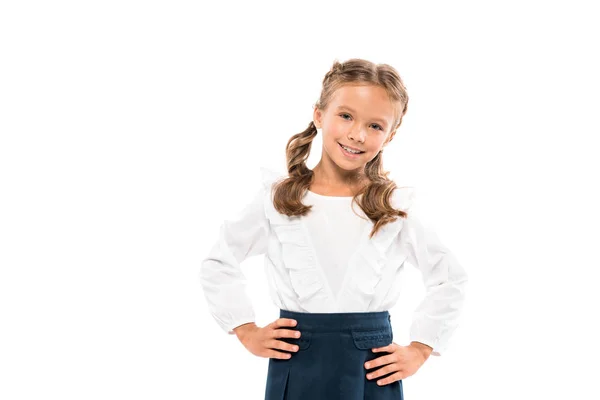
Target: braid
298 150
336 69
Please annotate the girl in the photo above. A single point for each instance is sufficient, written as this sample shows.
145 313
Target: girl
333 269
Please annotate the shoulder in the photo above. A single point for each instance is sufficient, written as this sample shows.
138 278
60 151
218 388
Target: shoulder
404 197
270 176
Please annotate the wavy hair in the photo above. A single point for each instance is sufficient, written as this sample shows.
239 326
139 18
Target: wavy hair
376 195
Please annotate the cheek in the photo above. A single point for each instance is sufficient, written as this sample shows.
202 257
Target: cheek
335 132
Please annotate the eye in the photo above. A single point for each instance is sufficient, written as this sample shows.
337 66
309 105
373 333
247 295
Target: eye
377 125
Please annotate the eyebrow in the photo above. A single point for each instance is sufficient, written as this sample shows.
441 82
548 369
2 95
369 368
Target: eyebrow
380 120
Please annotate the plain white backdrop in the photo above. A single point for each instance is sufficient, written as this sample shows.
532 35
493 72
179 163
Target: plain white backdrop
130 130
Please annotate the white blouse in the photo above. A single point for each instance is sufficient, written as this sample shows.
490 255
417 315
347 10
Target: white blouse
324 262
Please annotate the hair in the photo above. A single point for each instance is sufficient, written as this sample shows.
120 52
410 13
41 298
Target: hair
376 199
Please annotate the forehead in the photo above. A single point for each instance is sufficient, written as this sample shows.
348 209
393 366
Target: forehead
366 100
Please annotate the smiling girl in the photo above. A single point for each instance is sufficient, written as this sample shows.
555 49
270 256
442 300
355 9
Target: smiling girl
334 269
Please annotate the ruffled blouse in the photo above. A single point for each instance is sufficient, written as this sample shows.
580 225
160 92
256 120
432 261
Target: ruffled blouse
300 281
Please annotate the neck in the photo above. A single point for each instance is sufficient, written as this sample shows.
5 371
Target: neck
337 178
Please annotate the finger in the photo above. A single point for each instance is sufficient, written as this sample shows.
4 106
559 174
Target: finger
278 354
383 360
285 333
388 348
390 379
283 322
388 369
280 322
280 344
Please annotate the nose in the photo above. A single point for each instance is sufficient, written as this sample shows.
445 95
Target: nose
357 134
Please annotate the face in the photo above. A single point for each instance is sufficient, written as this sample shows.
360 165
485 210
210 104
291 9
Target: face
359 116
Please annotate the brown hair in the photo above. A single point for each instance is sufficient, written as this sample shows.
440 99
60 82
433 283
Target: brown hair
376 199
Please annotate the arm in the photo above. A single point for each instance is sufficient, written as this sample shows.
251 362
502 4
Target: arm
436 317
222 280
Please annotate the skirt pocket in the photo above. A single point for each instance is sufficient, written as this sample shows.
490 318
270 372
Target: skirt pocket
368 339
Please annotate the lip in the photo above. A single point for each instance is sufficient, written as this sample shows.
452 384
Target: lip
349 155
352 148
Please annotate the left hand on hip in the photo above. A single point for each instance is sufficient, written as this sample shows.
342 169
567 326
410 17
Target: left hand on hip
403 360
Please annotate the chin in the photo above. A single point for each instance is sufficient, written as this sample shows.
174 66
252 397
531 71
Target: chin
349 166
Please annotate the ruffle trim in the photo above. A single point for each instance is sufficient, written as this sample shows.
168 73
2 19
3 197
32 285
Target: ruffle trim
365 266
296 252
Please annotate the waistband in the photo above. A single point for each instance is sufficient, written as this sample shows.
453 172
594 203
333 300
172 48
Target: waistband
336 322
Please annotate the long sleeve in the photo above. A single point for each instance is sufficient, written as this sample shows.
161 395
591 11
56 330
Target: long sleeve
222 280
436 317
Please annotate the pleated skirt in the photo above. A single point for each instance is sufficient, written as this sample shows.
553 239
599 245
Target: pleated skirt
329 364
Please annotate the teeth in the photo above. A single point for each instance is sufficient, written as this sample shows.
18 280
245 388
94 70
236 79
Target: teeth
350 150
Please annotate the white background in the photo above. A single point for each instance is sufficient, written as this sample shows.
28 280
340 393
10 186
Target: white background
131 130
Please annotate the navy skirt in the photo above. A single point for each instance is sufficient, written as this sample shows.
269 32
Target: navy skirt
333 348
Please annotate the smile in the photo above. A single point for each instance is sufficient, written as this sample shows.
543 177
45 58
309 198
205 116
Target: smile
350 150
349 154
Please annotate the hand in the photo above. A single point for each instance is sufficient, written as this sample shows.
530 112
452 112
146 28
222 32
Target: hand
262 341
404 360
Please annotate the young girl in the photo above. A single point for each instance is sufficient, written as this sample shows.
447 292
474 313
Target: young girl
333 268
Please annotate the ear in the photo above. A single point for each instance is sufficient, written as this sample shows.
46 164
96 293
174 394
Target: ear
317 117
